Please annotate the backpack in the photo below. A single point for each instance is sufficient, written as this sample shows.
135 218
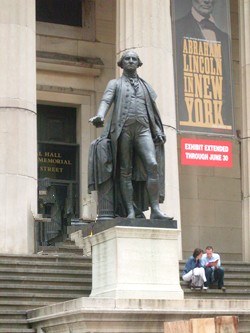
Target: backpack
196 281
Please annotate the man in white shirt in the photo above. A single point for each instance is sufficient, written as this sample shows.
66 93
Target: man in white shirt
213 270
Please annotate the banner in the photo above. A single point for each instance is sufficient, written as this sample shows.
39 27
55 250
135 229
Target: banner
203 75
206 153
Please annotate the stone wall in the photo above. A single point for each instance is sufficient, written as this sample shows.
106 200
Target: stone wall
210 197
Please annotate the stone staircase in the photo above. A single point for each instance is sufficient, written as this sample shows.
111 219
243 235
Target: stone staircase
14 321
32 281
62 273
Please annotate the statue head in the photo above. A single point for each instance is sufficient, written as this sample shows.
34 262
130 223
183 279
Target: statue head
126 56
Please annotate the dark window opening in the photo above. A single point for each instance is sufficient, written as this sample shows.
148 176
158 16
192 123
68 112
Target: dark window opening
66 12
56 123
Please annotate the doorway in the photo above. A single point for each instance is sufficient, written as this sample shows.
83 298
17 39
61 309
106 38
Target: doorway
58 171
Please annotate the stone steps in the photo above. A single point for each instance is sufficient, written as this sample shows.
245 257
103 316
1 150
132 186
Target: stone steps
14 321
217 294
17 330
16 305
14 314
46 296
233 281
43 279
244 324
75 271
68 249
46 260
33 281
30 288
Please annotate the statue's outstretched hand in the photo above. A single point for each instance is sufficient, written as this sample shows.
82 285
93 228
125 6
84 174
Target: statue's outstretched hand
97 121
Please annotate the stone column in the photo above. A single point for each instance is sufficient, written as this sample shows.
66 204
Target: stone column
145 26
18 142
244 10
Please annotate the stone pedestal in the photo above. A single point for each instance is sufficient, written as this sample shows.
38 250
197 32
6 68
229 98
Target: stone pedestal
136 262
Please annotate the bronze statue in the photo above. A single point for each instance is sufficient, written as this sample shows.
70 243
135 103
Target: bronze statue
130 151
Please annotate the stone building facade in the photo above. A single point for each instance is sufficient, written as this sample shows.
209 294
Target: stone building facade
53 76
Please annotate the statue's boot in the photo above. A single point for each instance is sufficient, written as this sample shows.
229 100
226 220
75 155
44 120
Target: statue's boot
127 194
153 192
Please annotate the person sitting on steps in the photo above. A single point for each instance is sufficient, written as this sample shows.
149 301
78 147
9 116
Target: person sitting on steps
213 270
194 267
